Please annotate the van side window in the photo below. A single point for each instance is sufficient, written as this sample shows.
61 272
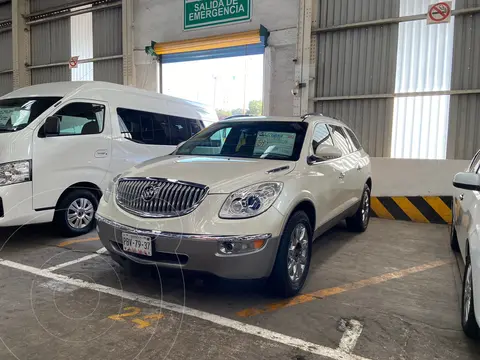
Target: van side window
156 129
81 119
179 129
144 127
340 139
321 135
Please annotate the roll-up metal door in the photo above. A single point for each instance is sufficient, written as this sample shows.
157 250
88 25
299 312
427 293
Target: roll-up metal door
6 60
107 45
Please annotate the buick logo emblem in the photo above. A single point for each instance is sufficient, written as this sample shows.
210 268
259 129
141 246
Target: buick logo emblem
148 194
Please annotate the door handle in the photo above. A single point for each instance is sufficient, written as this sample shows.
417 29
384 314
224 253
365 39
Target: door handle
101 153
462 196
342 176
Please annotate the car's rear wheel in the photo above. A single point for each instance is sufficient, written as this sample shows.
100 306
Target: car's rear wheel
293 257
469 322
359 222
75 213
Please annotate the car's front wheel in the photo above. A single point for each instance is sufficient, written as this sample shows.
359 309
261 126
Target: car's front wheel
469 322
293 257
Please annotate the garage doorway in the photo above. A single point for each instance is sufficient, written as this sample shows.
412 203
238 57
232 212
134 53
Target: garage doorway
230 79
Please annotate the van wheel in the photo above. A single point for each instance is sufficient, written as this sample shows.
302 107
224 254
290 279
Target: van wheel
359 221
293 257
469 322
75 213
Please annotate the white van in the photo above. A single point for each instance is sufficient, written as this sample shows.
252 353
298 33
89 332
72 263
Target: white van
62 143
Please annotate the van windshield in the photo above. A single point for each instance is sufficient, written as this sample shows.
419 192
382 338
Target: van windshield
17 113
247 139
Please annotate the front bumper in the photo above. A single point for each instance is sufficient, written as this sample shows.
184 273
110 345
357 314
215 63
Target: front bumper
193 252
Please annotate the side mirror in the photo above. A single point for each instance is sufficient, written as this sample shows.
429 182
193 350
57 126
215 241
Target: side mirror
52 126
325 152
467 181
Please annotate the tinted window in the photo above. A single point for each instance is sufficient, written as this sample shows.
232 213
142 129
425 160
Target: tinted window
156 129
247 139
81 119
179 129
321 135
17 113
356 144
340 139
144 127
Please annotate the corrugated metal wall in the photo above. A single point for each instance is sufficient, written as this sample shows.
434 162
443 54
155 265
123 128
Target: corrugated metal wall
359 61
464 125
40 5
107 41
50 44
6 60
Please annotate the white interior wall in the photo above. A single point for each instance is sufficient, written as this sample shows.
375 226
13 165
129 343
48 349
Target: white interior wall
163 21
406 177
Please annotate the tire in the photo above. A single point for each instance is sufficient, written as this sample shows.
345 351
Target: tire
454 240
86 205
469 322
281 282
359 222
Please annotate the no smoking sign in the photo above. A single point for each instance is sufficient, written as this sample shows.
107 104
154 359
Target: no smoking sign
439 13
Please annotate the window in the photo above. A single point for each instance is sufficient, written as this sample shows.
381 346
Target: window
144 127
340 139
356 144
474 164
156 129
321 135
81 119
17 113
247 139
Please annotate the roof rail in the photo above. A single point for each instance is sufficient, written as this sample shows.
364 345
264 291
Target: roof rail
304 117
237 116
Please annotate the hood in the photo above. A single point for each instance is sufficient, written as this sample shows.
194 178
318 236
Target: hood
221 175
15 145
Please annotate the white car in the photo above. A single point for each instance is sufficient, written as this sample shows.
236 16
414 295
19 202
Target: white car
465 237
243 199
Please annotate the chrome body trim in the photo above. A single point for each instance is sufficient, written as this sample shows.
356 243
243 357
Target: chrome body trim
180 236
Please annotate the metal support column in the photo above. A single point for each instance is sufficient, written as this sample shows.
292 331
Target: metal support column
21 43
302 62
128 44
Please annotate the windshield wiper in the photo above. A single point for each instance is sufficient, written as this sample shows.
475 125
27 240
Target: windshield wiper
7 130
276 157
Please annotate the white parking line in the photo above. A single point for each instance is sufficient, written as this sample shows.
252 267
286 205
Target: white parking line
82 259
350 336
335 354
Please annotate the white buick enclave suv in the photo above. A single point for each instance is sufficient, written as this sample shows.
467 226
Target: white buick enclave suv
242 199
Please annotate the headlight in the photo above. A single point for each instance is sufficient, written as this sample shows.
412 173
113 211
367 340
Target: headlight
15 172
251 201
110 188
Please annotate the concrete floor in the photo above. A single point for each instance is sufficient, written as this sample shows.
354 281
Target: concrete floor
73 312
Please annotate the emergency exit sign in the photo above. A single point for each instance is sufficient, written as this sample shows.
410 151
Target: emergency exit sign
205 13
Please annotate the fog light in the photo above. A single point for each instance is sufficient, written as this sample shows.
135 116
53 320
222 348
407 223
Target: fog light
239 247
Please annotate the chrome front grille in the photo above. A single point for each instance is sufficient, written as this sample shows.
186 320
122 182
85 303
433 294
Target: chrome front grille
158 198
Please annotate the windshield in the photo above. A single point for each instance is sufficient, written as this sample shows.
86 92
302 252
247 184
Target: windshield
17 113
248 139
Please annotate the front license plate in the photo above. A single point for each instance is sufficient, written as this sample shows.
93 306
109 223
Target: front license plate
137 244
